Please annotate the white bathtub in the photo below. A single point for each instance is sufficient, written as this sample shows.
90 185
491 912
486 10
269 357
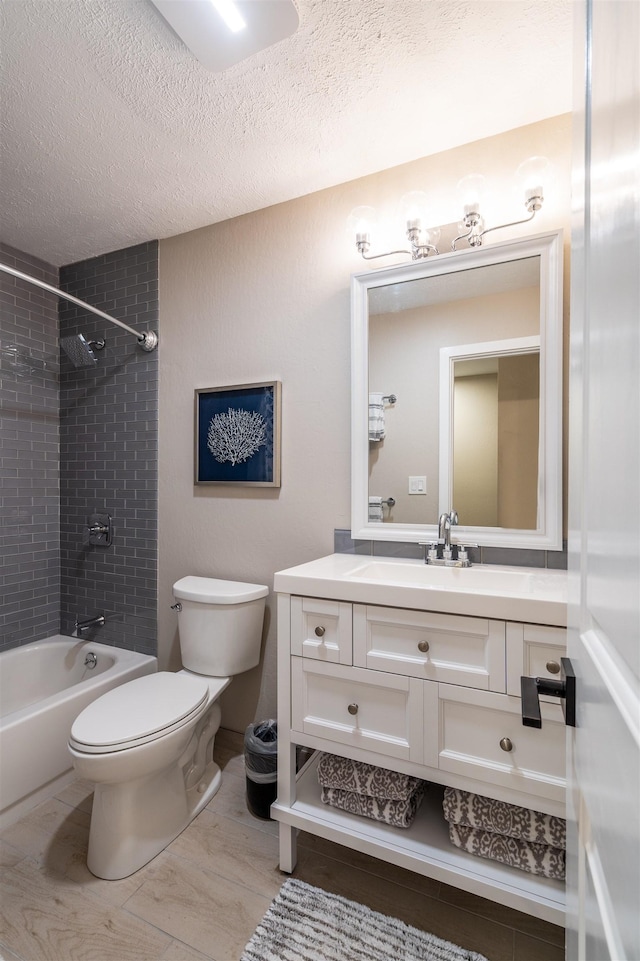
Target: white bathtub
43 688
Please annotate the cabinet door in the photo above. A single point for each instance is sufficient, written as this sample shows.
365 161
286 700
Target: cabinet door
482 737
321 629
374 711
437 647
534 650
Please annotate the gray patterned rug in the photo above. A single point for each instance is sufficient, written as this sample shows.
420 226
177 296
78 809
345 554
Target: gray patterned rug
305 923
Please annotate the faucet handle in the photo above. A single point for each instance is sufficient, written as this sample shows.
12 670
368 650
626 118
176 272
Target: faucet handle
430 550
463 556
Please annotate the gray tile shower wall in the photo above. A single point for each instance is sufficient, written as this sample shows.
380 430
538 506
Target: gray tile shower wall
109 450
29 520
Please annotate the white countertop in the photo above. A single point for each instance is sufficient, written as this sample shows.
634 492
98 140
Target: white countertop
530 594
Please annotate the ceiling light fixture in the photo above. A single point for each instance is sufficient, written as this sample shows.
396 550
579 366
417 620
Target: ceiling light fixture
530 177
230 14
251 26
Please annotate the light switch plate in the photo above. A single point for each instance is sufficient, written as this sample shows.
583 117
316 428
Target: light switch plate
417 485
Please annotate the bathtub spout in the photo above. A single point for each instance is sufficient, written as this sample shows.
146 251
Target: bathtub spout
90 622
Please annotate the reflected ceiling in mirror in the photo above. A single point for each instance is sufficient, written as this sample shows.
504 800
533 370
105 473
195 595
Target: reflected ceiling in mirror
486 444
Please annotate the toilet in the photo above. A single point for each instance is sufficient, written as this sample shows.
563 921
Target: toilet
148 744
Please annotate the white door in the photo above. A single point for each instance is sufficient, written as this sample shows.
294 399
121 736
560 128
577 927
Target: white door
603 884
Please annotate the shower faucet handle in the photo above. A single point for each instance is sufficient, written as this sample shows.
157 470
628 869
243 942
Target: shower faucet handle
100 530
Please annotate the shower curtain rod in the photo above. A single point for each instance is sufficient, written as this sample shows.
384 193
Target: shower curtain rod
148 340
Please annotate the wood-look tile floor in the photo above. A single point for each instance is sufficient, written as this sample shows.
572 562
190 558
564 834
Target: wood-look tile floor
201 898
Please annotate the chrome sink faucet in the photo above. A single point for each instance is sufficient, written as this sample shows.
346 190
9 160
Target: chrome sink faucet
444 528
442 552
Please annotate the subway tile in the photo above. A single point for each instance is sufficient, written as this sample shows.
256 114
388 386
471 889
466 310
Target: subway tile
513 556
100 456
343 544
397 549
95 439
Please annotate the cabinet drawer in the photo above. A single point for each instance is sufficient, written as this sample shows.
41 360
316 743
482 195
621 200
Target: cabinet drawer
534 650
439 647
475 727
321 629
373 711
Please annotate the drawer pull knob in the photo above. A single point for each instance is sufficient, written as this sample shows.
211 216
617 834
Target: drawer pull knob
319 631
423 647
553 667
353 709
506 744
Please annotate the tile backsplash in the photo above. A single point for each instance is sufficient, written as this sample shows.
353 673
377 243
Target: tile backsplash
344 544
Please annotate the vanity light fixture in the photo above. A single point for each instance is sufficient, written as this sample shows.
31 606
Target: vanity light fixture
530 177
412 210
221 33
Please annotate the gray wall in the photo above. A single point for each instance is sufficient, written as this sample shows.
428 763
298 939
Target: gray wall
29 505
75 441
109 450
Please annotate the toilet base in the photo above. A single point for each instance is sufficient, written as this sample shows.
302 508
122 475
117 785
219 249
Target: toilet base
145 796
126 833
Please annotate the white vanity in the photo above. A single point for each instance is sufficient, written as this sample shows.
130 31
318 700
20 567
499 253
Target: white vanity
417 669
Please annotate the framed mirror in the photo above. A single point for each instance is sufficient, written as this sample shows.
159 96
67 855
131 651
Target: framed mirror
457 396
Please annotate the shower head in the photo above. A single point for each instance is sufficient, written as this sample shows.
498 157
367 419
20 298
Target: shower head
80 351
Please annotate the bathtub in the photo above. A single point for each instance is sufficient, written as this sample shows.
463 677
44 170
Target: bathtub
43 688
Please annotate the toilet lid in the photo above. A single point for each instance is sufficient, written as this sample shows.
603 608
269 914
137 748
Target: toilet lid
138 710
211 590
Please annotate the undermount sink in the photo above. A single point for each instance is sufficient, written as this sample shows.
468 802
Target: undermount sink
497 580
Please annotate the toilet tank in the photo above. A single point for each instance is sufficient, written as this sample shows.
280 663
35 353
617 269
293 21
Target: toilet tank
220 624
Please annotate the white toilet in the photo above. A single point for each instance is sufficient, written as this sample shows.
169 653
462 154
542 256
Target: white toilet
148 744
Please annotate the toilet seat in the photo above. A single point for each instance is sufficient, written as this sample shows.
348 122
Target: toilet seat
138 712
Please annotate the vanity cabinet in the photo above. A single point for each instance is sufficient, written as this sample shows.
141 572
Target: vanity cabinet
321 629
425 693
361 709
437 647
481 736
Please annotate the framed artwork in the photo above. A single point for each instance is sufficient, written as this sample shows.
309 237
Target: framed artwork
238 435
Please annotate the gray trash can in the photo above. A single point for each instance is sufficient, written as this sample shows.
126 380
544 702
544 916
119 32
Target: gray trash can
261 767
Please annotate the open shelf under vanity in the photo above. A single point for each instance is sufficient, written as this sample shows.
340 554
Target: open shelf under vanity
424 848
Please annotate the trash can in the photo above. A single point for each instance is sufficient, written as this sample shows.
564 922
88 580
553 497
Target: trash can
261 767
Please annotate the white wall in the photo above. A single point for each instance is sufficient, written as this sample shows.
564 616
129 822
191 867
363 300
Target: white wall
266 297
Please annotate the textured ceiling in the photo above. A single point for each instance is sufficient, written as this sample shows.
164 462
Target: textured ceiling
114 134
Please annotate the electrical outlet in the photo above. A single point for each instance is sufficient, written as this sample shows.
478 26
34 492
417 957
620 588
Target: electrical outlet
417 485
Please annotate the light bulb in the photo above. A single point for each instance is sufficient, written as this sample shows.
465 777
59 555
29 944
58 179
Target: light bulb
360 223
531 177
471 191
412 210
432 236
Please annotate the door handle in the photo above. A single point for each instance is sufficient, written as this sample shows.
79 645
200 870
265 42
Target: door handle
532 687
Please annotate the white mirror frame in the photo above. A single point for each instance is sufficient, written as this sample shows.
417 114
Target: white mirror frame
548 534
